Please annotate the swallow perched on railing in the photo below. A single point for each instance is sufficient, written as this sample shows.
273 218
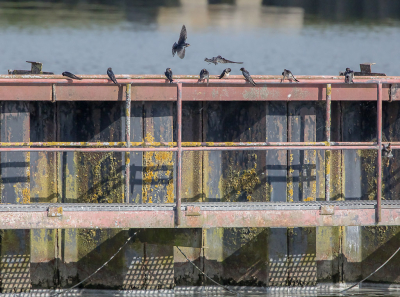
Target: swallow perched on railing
179 47
219 59
288 75
247 76
225 73
168 74
111 75
70 75
348 76
204 74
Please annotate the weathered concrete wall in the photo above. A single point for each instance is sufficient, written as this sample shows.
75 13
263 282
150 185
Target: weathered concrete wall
235 256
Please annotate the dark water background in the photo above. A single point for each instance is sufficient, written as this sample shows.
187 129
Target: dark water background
312 37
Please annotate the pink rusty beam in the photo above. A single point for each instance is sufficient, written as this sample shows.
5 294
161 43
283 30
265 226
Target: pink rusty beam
187 144
89 149
174 149
379 159
65 144
262 148
206 219
128 141
157 90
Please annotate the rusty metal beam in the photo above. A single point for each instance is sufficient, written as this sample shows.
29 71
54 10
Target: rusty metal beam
207 215
146 89
379 158
179 156
174 149
188 144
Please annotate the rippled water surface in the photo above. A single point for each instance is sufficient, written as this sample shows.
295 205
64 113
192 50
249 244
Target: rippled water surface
86 37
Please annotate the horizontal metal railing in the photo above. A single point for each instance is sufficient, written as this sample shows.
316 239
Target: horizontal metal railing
180 146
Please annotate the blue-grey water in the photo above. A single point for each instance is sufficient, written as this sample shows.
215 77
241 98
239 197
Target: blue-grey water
87 38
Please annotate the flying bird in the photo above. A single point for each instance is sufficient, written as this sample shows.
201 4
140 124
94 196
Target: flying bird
247 76
204 74
219 59
288 75
225 73
168 74
348 76
111 75
70 75
179 47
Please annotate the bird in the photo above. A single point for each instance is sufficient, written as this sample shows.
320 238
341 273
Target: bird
247 76
111 75
204 74
70 75
225 73
348 76
179 47
219 59
168 74
288 75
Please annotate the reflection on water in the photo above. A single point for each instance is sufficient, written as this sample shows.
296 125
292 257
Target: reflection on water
306 36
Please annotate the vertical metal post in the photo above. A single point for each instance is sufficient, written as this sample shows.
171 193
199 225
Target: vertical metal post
328 140
128 140
379 161
179 155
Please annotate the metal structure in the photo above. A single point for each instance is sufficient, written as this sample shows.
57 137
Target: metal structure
197 215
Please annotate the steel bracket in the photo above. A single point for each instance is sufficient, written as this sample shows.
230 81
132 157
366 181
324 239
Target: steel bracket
327 210
192 211
394 93
55 211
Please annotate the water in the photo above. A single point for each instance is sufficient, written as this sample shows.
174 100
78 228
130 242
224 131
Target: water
86 37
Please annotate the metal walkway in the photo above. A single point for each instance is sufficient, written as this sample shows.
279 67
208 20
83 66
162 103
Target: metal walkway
198 215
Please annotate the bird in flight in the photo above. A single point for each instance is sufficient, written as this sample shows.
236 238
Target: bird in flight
70 75
179 47
225 73
348 76
219 59
247 76
168 74
288 75
111 75
204 74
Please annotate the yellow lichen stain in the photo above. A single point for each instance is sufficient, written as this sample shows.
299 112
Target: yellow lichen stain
309 199
191 143
26 196
153 172
327 162
210 143
98 178
238 183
